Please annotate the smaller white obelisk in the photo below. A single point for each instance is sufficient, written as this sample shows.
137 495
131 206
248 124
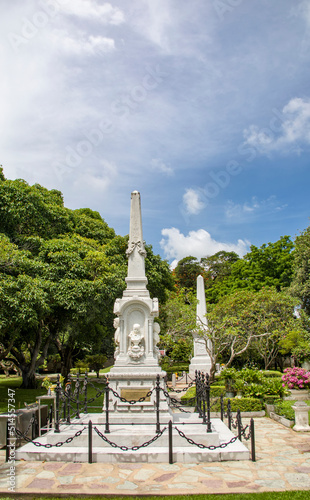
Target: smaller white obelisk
201 360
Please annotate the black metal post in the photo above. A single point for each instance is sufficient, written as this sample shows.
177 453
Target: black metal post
170 442
68 398
222 407
157 403
77 387
90 443
106 395
229 414
50 417
85 392
57 390
196 386
209 428
239 424
198 393
203 393
253 457
33 426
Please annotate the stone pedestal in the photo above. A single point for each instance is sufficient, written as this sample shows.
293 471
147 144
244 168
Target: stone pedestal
298 395
301 410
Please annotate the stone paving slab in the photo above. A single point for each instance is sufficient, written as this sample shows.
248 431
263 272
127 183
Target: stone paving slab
282 463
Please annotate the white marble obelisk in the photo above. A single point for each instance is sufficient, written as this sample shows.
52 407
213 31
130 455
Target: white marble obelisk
136 356
201 360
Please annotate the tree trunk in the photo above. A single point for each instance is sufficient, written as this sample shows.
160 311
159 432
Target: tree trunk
29 377
66 362
212 370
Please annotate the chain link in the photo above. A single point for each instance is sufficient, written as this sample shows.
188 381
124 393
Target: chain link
200 445
132 401
133 448
246 437
174 401
49 445
170 389
32 420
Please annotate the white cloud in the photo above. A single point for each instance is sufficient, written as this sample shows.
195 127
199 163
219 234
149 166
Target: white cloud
294 132
192 202
158 165
84 44
197 243
89 9
241 211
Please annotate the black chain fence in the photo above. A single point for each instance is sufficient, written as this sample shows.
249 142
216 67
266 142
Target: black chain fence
133 448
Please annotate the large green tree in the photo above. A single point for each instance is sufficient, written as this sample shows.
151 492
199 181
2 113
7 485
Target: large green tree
60 273
301 278
186 272
267 266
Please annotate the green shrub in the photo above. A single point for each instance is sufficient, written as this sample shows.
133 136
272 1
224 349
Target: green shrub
250 376
253 390
82 365
270 400
284 408
274 387
191 393
180 368
242 404
246 404
270 387
272 374
217 390
217 381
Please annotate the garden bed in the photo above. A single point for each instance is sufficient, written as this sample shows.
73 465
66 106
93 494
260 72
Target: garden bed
282 420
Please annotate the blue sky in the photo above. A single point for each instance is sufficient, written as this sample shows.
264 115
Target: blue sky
202 106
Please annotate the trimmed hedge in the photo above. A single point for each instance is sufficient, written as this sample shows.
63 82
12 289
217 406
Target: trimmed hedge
272 373
175 368
242 404
270 400
191 393
217 391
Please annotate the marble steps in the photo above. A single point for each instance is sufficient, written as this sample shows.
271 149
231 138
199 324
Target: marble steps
183 452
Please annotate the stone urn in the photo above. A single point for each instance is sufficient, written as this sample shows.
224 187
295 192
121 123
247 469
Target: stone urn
299 394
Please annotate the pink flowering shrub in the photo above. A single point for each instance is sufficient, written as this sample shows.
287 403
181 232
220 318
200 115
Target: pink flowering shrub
296 378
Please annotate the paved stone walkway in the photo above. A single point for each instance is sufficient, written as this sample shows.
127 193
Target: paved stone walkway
283 463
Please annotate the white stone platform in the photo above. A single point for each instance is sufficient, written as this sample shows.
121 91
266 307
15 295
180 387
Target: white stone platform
135 435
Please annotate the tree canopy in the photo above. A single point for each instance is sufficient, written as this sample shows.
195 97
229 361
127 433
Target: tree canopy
60 273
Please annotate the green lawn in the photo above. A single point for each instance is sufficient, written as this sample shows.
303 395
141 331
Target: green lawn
29 396
274 495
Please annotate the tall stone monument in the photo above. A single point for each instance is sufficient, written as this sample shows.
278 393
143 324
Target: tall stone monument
136 335
201 360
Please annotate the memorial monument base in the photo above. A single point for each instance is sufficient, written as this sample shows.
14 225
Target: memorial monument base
129 436
131 384
200 364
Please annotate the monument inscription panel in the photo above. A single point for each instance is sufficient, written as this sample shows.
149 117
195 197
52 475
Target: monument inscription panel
133 394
